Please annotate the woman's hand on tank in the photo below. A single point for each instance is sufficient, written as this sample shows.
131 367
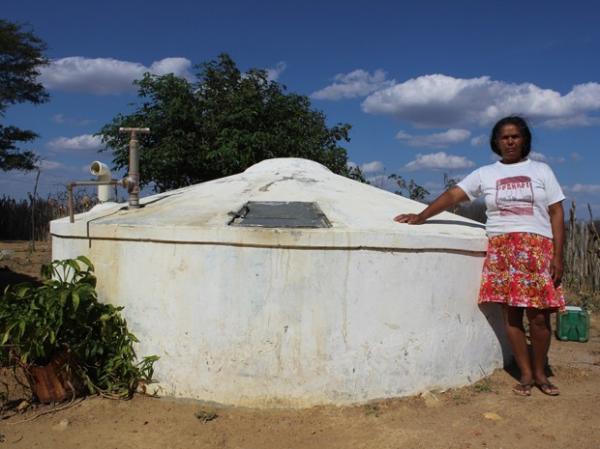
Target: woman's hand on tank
446 200
556 269
409 219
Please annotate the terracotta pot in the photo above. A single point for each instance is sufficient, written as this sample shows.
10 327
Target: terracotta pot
53 382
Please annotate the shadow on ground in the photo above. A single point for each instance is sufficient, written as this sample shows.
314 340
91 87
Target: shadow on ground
9 277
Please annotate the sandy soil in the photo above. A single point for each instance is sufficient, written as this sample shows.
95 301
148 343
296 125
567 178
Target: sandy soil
485 415
18 263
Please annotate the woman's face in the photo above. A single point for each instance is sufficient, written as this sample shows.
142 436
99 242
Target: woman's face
510 144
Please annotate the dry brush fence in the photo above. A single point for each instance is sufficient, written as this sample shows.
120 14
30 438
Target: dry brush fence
582 256
30 219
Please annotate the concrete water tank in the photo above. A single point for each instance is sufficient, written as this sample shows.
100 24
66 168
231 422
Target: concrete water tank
288 285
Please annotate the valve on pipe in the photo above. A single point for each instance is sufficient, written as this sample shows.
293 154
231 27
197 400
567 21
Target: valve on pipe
132 181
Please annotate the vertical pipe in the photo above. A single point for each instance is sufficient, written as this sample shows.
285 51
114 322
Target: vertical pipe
133 177
70 202
134 171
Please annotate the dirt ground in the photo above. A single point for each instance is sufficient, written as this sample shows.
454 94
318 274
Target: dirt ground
484 415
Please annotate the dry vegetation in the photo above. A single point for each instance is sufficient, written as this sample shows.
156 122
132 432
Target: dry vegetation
30 219
582 261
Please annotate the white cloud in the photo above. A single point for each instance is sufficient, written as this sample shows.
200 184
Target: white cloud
479 140
177 66
372 167
85 142
536 156
103 76
383 182
577 120
53 180
50 165
439 161
435 140
584 188
354 84
273 73
443 101
351 164
61 119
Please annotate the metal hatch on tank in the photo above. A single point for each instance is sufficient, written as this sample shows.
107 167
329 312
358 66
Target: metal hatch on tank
280 214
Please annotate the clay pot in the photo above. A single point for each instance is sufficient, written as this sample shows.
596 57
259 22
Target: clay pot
53 382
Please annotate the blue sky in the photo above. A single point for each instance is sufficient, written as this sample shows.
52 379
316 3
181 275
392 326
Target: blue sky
421 84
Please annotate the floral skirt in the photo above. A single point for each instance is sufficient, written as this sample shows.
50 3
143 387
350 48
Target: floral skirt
516 272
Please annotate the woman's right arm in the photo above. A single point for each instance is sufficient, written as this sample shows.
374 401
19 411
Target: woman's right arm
446 200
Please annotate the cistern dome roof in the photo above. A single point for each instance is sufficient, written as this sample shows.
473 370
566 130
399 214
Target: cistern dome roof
356 214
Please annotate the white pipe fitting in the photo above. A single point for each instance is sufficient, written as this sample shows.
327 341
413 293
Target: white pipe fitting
105 192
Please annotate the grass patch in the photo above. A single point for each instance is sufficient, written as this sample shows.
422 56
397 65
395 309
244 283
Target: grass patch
485 385
372 410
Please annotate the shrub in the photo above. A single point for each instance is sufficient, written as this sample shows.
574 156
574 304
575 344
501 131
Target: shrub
38 323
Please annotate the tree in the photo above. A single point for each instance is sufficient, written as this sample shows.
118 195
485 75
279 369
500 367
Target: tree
220 125
21 56
413 190
449 182
475 210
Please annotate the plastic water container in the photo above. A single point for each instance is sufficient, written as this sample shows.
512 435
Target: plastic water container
573 324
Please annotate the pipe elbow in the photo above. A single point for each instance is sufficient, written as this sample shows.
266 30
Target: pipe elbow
101 170
105 192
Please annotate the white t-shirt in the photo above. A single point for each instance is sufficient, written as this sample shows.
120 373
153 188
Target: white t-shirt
516 196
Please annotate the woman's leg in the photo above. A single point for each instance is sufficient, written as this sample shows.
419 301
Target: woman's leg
513 319
540 332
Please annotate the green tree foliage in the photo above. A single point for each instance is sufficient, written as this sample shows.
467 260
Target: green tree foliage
21 56
220 125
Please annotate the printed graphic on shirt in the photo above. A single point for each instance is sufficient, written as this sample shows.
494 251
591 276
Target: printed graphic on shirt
514 195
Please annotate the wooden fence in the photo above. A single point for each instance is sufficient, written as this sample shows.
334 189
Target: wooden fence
582 255
30 219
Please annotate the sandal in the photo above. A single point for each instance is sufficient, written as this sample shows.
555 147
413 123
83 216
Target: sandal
522 389
548 388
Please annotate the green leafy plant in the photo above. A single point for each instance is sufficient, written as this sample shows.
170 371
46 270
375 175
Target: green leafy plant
38 323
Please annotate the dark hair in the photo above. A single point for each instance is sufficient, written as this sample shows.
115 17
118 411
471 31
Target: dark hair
520 123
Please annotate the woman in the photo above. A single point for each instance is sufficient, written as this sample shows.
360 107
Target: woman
525 226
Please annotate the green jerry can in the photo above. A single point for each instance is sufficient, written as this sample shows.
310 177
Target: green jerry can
573 324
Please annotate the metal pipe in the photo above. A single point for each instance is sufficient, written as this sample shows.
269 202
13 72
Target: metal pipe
72 184
70 202
131 182
133 177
